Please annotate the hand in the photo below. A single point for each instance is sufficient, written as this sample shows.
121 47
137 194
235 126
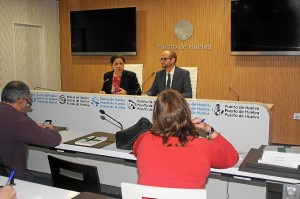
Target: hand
199 123
7 192
101 92
50 126
122 91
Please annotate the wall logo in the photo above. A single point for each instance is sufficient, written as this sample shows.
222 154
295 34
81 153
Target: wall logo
95 102
183 30
217 110
62 99
131 104
33 97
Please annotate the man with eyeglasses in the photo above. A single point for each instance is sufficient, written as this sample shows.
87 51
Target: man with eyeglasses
17 130
171 77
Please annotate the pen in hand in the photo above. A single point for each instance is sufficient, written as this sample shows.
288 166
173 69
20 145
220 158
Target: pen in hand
199 126
11 175
199 122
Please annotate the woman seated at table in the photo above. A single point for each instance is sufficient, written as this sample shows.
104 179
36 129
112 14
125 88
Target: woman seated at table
172 154
120 81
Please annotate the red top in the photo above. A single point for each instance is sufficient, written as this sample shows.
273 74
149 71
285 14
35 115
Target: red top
116 81
181 167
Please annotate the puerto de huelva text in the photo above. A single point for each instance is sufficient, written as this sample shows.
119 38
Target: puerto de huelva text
184 47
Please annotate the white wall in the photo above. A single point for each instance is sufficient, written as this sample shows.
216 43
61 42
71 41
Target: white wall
29 43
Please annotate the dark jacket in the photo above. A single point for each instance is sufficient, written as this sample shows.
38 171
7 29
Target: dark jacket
129 82
17 130
181 82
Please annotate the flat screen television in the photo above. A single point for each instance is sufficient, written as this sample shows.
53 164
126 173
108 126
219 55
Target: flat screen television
103 32
265 27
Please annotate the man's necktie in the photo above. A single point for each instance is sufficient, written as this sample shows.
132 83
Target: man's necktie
169 81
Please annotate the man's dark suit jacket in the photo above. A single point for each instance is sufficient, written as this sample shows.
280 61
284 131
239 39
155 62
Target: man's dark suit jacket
129 82
181 82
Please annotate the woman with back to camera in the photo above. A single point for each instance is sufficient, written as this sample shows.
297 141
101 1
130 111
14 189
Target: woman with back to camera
172 154
120 81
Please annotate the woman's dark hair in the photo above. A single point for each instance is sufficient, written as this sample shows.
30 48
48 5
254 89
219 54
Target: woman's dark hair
172 117
116 56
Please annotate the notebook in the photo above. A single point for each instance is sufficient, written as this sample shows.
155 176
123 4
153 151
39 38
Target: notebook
91 140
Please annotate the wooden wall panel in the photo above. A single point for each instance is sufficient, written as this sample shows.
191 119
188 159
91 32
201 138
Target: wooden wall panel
28 51
266 79
22 52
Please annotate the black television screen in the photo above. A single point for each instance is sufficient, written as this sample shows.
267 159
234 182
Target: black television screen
103 32
265 27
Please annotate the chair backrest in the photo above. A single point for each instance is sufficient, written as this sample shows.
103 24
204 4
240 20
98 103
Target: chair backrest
74 176
135 191
138 69
5 171
194 79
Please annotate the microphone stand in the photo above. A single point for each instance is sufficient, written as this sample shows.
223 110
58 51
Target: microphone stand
144 83
103 112
234 93
99 86
94 88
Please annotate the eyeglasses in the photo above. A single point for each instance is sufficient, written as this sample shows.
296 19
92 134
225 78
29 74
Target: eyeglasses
165 58
28 102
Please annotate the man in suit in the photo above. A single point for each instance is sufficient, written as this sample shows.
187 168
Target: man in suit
171 77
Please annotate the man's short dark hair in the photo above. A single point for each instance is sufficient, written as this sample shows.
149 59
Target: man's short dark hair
172 54
15 90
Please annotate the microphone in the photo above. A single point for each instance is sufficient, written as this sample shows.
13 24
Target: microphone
41 88
103 112
98 86
236 95
144 83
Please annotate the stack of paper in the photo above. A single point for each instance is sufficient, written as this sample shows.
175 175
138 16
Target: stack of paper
91 140
281 156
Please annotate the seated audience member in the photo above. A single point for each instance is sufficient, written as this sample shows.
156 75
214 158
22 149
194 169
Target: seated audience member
171 77
7 192
120 81
172 154
18 130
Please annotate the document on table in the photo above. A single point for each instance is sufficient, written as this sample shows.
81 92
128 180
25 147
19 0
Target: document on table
286 156
28 196
91 140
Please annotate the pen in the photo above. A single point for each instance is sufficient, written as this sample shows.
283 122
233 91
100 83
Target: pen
89 139
202 120
11 175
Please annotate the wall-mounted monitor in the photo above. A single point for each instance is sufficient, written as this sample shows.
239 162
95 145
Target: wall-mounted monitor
265 27
103 32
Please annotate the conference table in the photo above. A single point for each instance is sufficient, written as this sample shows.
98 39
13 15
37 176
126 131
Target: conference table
28 190
113 152
110 153
245 124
